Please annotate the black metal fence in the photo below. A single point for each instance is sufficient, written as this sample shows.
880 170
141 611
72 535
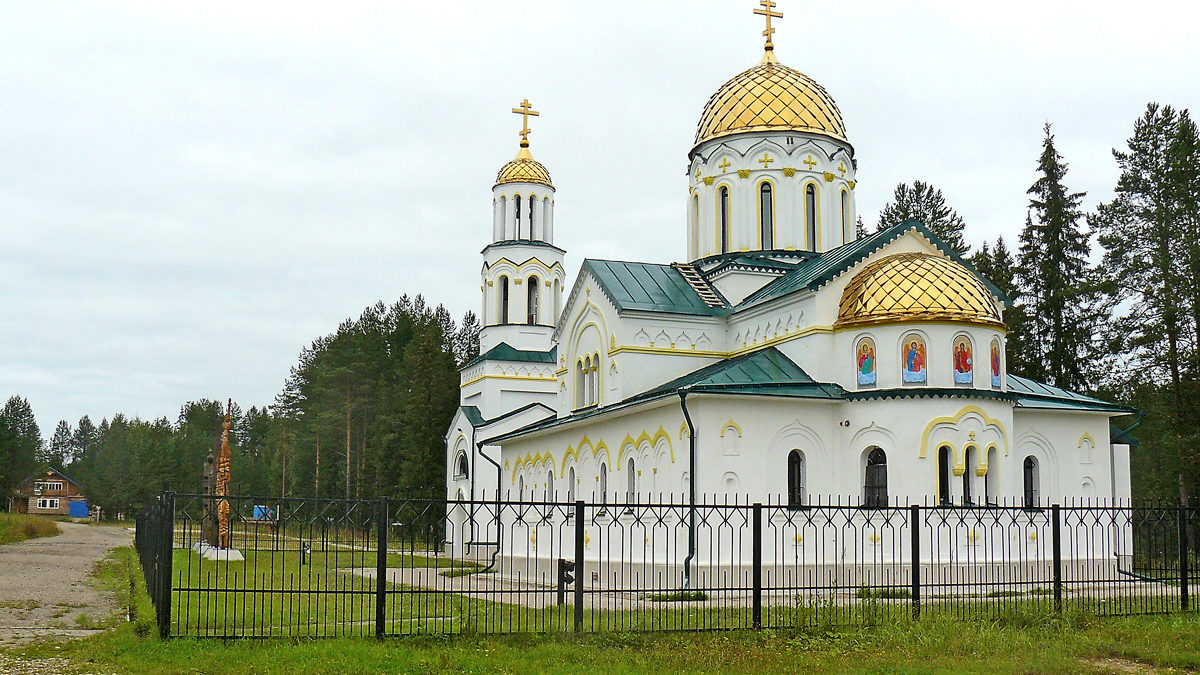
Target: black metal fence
327 567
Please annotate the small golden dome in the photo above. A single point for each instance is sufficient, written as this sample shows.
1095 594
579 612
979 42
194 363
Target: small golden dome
770 97
916 287
524 169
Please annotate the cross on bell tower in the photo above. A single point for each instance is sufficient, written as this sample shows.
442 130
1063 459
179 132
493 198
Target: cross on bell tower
525 111
766 11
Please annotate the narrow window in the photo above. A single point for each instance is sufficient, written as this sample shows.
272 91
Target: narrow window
1032 489
517 218
603 483
989 479
571 485
630 483
969 455
532 203
503 300
944 476
550 486
531 314
846 235
795 473
521 488
695 233
766 216
810 215
580 384
723 209
557 299
460 466
875 492
596 379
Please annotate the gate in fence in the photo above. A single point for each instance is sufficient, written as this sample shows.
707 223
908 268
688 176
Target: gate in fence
331 567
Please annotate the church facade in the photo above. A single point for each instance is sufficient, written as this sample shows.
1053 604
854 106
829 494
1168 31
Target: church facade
787 361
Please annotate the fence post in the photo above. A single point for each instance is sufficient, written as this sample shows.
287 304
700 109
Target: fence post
914 535
381 536
1056 537
165 554
756 575
579 566
1183 558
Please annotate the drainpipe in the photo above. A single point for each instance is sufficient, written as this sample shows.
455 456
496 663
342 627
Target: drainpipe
478 445
687 562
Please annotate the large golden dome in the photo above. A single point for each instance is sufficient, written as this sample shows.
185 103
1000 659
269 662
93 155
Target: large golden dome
916 287
770 97
524 169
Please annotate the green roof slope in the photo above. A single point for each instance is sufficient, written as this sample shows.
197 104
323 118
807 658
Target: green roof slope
1032 394
765 371
503 352
648 286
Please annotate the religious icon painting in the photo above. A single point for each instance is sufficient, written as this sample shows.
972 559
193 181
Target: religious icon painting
964 366
865 359
912 358
996 363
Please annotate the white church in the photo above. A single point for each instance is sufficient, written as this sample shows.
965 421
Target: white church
786 361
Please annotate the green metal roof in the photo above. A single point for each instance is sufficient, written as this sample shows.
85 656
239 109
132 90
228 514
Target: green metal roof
765 371
825 267
929 392
1032 394
521 242
649 287
503 352
473 415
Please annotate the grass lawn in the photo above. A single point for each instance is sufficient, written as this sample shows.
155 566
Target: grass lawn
1018 643
16 527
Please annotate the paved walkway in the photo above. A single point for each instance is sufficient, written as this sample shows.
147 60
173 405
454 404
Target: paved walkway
43 583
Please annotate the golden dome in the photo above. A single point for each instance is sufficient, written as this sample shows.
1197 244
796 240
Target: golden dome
524 169
770 97
916 287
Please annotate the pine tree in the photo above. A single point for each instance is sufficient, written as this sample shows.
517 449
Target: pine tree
59 451
21 443
923 202
1054 276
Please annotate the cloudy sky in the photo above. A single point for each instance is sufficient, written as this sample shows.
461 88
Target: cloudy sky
190 192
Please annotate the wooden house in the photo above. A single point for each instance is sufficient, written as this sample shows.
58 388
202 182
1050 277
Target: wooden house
49 493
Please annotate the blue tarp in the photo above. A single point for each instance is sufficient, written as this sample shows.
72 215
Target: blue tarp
263 513
79 509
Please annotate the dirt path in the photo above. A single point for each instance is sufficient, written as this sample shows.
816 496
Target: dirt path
43 583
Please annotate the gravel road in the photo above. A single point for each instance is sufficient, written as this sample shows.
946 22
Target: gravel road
43 583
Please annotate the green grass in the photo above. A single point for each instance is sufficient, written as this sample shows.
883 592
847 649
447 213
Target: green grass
16 527
882 593
678 596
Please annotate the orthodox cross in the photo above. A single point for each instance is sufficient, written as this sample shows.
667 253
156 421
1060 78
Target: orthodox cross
697 173
766 161
724 163
767 6
525 111
842 168
810 162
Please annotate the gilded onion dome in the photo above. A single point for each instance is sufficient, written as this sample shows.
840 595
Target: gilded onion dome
524 169
908 287
770 97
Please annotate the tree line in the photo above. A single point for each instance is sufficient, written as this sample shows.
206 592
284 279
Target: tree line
362 414
1105 302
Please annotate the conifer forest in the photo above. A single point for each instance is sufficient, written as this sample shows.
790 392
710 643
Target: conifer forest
1105 300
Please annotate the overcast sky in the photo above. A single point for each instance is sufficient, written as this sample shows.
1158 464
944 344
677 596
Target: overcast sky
192 192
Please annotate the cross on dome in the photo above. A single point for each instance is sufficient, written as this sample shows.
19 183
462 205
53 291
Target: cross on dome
767 6
525 111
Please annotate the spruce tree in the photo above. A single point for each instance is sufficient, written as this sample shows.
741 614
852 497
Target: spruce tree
998 265
1053 275
59 451
923 202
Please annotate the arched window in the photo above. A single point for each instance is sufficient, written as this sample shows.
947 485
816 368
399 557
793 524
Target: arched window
460 465
723 216
970 455
847 234
944 475
532 204
603 483
502 220
875 492
521 488
517 216
580 384
557 300
595 379
503 299
1031 479
550 486
531 304
810 215
989 479
695 233
766 215
795 474
571 484
630 483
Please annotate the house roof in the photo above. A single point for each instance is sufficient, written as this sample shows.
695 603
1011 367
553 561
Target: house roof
40 472
1032 394
766 372
503 352
823 268
648 287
